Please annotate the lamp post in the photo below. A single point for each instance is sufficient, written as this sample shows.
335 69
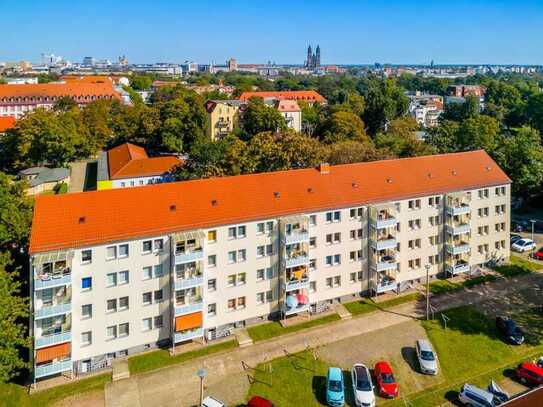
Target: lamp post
533 247
427 267
201 373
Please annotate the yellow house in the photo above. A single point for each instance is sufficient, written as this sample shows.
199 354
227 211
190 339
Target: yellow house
222 117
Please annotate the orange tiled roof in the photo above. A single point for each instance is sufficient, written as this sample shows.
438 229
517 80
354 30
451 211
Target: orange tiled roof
284 105
6 123
307 95
120 214
129 160
70 88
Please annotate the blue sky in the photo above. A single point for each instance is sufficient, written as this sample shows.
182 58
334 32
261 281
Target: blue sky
408 31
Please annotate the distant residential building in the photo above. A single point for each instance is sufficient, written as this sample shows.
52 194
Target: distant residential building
6 123
222 117
291 112
129 165
425 108
22 81
42 179
309 96
16 100
466 90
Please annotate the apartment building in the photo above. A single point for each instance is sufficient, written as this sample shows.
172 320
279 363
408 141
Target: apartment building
309 96
120 271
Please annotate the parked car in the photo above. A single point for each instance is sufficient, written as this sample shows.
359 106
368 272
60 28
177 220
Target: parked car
335 393
385 380
515 238
523 245
530 373
496 390
539 254
257 401
362 386
510 330
210 401
474 396
427 357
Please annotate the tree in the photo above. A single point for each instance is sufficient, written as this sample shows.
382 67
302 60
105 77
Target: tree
444 136
13 311
521 157
15 214
341 126
64 103
346 152
311 116
534 111
479 132
140 82
461 111
260 117
400 139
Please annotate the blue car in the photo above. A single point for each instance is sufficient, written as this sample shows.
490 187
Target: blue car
335 393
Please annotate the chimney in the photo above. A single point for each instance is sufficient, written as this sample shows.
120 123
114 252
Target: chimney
324 168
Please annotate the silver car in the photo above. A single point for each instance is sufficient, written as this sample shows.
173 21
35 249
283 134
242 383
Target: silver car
474 396
427 357
362 386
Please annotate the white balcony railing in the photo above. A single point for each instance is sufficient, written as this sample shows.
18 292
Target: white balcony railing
186 336
458 229
296 237
189 256
296 310
458 210
458 248
52 281
52 368
54 339
194 306
383 244
457 268
384 286
297 261
384 223
52 310
181 284
297 284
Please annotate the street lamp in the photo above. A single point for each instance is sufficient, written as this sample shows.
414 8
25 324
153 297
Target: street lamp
201 373
533 247
427 266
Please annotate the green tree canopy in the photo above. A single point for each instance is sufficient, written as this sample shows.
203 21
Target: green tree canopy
347 152
140 82
260 117
342 126
15 214
400 139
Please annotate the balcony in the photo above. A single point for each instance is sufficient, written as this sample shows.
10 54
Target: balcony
458 229
297 260
295 284
187 336
384 285
54 339
52 310
52 368
193 305
384 222
296 236
388 242
295 310
458 247
181 284
43 281
457 268
384 263
461 209
188 256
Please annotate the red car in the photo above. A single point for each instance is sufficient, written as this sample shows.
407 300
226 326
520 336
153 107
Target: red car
530 373
385 380
257 401
539 254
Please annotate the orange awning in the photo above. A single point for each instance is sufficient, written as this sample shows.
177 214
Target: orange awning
53 352
189 321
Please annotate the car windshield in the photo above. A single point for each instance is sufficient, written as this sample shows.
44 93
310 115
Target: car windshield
363 384
335 385
387 378
427 355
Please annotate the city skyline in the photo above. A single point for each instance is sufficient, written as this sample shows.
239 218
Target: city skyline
408 32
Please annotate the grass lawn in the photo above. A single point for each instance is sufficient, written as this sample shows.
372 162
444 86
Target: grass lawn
364 306
517 266
297 380
161 358
16 395
272 329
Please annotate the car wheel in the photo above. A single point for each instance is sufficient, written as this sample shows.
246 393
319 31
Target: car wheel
523 380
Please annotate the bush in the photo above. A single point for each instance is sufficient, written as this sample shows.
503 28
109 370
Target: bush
61 188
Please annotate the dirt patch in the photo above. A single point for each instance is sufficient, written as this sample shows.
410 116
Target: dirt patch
90 399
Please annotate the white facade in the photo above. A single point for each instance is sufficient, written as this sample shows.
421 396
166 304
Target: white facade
244 273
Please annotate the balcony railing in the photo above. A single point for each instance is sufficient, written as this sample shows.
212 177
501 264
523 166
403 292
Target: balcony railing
52 280
186 336
460 267
296 236
194 306
460 209
297 284
382 244
52 368
458 248
188 282
297 309
458 229
298 260
383 263
188 256
384 286
49 340
384 222
52 310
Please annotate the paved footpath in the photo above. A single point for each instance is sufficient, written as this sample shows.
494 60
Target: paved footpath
178 385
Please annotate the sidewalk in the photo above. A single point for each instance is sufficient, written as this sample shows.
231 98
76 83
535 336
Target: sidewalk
179 386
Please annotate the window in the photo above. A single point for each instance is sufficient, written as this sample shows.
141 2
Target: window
111 252
312 264
414 244
337 216
86 283
260 275
111 332
111 279
434 240
269 227
500 191
482 230
269 273
123 250
86 256
147 246
86 311
241 302
352 277
312 286
482 212
147 273
433 259
434 220
329 282
211 236
86 338
414 264
483 193
158 296
147 324
212 284
500 209
269 296
483 248
232 257
212 261
329 260
111 305
260 298
312 220
158 245
413 204
231 280
159 271
242 279
337 281
260 228
124 329
147 298
313 242
414 224
123 277
123 303
159 321
242 231
232 233
211 309
232 304
242 255
260 251
356 213
434 201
